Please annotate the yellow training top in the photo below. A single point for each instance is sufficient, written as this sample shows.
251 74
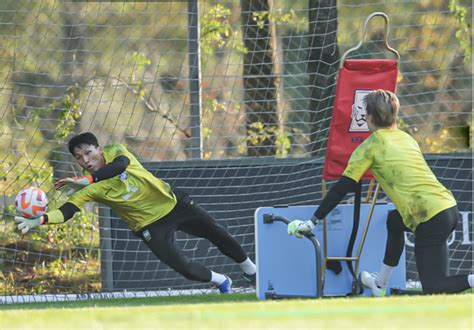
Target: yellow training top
137 196
398 165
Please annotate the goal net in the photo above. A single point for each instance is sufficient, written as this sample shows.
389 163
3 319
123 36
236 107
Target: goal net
230 100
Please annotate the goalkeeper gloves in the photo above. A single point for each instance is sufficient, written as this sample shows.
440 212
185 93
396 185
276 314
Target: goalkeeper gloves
24 225
300 228
73 184
52 217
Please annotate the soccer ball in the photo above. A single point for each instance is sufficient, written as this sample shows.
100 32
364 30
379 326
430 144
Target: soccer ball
31 202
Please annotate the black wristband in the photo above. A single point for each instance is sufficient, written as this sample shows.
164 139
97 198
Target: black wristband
68 210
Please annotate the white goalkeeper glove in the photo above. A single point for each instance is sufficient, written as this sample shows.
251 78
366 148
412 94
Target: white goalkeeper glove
300 228
73 184
24 224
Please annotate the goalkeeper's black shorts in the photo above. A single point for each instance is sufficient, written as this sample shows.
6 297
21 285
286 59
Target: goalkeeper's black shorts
193 220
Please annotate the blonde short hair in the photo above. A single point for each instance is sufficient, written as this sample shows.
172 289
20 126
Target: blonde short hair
383 106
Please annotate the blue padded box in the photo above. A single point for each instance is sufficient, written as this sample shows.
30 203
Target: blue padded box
286 265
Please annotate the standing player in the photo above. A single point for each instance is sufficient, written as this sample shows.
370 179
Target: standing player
423 205
148 205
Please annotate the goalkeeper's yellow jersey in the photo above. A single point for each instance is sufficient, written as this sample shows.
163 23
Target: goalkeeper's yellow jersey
397 163
137 196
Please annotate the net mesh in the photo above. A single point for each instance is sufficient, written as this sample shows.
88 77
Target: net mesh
268 76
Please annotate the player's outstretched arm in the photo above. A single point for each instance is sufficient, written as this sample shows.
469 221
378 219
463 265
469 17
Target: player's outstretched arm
300 228
73 184
114 168
334 197
64 213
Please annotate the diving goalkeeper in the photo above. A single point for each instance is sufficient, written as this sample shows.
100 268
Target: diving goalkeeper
148 205
423 205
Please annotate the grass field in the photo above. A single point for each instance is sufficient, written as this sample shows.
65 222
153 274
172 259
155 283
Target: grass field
244 311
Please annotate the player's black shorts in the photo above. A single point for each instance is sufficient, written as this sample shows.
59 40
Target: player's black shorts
193 220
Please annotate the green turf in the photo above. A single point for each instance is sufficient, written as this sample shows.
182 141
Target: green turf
244 312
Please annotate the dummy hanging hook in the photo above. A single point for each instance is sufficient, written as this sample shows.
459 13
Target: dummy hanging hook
364 32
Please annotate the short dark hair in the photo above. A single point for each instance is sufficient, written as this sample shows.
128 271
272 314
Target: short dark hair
86 138
383 106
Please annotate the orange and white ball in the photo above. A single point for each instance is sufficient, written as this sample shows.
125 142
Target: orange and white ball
31 202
